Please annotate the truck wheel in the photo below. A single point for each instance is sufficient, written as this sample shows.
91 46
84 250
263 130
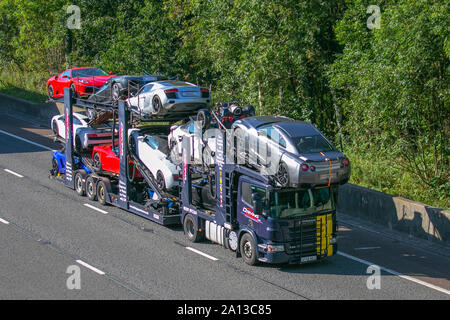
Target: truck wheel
101 192
191 229
91 191
248 249
79 187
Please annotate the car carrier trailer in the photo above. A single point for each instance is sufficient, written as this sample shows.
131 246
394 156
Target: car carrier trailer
236 207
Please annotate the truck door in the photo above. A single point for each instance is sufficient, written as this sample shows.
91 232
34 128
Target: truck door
251 193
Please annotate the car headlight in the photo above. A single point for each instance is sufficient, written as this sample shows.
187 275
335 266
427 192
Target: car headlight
83 81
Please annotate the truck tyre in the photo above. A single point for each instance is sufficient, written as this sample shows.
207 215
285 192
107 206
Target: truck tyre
248 249
101 192
191 229
79 187
91 191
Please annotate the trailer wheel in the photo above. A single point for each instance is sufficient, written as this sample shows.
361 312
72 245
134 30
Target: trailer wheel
91 191
248 249
101 192
191 229
79 187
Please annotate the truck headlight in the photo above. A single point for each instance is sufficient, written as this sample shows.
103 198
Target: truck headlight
274 248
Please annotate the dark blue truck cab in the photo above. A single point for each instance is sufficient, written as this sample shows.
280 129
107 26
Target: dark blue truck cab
260 222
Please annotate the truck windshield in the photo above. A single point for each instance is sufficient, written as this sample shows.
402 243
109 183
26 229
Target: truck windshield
287 204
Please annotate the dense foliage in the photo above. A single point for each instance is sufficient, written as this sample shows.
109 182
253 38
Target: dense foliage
383 91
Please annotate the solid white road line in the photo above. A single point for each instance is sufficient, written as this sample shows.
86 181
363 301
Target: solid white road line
202 254
395 273
367 248
26 140
4 221
95 208
84 264
14 173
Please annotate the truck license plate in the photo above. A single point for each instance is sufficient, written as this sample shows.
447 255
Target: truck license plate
308 259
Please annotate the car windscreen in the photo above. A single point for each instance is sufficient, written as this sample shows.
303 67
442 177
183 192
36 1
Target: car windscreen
290 204
312 144
94 72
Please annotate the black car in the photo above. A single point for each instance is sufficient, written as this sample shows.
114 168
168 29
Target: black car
230 111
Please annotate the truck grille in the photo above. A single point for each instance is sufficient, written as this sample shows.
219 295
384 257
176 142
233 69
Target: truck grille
303 237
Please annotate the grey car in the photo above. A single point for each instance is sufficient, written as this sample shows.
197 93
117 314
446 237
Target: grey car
295 152
170 98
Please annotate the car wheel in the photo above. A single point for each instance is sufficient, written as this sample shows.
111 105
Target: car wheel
282 175
54 172
91 191
74 90
97 164
204 118
115 92
91 114
78 146
132 144
248 249
79 187
157 105
55 128
51 92
160 180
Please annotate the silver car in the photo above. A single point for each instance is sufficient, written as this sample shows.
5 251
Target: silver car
169 97
295 152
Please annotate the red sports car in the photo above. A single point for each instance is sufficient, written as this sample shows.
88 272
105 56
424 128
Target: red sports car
82 81
107 159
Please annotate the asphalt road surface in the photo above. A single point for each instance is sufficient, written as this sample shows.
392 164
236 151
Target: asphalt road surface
47 231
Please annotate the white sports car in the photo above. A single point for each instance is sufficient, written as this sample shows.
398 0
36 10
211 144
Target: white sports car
153 151
84 136
171 98
200 144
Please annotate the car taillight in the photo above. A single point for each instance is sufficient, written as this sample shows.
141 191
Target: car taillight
344 163
92 135
304 167
312 168
171 90
204 90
